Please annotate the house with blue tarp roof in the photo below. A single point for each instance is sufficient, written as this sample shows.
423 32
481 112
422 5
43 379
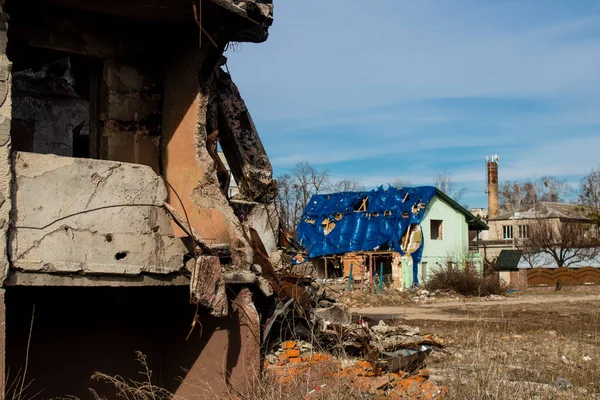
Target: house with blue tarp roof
406 232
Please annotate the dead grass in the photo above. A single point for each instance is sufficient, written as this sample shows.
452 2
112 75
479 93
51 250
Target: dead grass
363 298
464 281
268 388
521 352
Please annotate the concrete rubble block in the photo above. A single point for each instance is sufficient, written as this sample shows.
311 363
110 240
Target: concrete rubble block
207 287
263 219
91 216
336 313
249 278
241 144
131 108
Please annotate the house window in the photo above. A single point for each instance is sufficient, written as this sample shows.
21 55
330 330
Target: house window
507 231
436 229
523 231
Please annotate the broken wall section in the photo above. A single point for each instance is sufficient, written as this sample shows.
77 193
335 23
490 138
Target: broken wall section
107 218
87 85
187 165
241 143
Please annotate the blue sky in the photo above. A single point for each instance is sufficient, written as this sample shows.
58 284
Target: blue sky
386 89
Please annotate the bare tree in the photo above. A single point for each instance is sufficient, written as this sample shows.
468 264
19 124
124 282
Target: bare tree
444 182
514 195
550 188
566 242
288 200
400 183
295 190
589 195
346 185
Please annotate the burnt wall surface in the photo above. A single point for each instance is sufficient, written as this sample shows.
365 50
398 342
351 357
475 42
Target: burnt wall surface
78 331
84 90
100 82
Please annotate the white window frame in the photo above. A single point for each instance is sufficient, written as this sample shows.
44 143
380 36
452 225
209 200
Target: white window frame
523 231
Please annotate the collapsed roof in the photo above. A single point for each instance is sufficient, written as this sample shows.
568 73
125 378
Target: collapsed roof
339 223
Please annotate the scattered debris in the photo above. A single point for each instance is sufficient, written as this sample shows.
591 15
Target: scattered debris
563 383
309 336
382 360
296 360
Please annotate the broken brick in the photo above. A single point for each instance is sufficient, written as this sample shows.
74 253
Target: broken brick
292 353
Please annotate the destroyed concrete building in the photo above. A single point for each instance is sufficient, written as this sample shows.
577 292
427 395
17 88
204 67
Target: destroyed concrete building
113 198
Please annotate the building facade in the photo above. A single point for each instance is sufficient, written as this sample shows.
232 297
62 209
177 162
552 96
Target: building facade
510 229
114 202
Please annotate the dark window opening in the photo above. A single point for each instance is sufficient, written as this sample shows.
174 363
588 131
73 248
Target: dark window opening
51 100
436 229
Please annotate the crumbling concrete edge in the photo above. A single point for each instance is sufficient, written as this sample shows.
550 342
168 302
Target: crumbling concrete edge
208 193
5 179
5 144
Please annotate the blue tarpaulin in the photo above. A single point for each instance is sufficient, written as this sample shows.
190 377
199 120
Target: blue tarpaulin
345 222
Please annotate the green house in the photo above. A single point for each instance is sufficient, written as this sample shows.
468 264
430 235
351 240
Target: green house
445 226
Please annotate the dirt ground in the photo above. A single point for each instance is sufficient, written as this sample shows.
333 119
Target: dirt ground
454 310
532 346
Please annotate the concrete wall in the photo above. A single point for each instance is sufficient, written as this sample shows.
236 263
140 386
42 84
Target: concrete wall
90 216
455 235
186 163
132 119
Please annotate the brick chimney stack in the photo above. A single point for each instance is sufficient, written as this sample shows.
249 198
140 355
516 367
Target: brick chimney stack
492 185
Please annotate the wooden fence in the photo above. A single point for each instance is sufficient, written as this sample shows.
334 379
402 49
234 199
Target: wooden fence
568 276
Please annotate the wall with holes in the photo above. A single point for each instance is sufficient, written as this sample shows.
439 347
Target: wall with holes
91 216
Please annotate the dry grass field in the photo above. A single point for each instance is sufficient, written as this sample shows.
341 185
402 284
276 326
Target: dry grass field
538 350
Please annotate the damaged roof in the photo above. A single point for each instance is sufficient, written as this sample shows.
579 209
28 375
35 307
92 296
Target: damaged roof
545 209
339 223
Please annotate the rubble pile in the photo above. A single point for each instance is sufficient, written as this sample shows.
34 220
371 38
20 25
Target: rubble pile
379 360
311 342
298 364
